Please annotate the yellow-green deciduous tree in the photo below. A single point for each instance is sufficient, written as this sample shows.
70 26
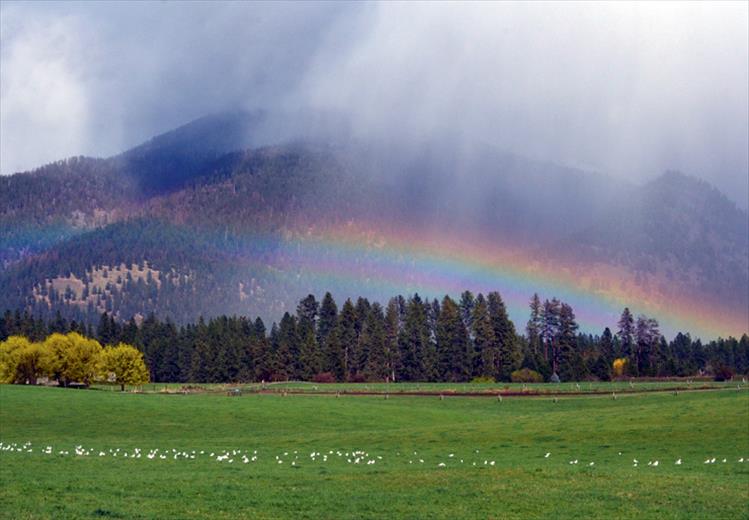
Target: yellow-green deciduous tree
21 361
124 365
72 358
618 367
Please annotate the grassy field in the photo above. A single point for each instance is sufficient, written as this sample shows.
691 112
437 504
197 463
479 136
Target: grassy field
587 387
454 458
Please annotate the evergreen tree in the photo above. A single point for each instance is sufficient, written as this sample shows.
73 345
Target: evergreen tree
347 336
287 349
310 356
307 311
392 332
376 365
328 318
413 340
453 344
535 323
626 335
605 358
467 301
550 331
508 353
483 340
568 361
260 350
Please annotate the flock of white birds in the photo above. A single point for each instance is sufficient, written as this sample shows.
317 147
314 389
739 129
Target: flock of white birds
293 458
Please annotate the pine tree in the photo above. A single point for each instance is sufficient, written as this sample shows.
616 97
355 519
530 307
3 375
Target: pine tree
328 318
260 350
347 336
626 335
334 354
104 331
535 323
508 354
307 311
467 302
287 349
429 356
392 331
376 367
550 331
201 359
568 361
483 340
454 348
310 358
605 357
413 340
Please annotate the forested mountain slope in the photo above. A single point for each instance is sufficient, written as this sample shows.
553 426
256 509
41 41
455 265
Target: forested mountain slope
236 228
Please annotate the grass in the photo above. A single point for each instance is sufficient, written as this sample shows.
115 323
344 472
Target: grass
587 387
515 434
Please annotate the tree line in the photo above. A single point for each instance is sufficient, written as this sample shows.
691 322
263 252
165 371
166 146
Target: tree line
409 339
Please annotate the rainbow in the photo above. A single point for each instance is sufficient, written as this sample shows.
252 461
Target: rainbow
378 260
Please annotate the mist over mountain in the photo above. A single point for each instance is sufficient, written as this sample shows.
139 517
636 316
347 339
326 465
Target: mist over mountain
214 218
625 90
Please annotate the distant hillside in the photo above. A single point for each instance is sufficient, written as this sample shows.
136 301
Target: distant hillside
236 228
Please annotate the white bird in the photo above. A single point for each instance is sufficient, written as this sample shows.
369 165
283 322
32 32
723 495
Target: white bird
634 460
547 455
655 463
592 464
712 461
741 459
441 465
678 462
724 460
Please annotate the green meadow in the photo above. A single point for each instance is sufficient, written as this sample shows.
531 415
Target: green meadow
154 455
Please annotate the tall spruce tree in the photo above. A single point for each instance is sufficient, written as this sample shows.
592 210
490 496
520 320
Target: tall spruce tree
392 332
413 340
550 331
376 365
484 343
568 360
508 352
454 348
348 336
328 318
467 302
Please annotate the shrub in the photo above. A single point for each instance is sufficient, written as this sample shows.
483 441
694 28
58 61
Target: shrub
723 373
526 375
483 379
358 378
324 377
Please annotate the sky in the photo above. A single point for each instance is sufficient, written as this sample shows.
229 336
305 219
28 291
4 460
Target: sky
625 89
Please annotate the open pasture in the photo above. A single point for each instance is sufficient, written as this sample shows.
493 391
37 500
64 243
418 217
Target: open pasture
91 454
304 387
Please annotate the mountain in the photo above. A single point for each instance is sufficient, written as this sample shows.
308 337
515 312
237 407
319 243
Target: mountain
234 213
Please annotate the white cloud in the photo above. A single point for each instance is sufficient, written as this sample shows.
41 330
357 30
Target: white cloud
44 109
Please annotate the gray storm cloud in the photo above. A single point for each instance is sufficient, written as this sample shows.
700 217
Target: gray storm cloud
626 89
